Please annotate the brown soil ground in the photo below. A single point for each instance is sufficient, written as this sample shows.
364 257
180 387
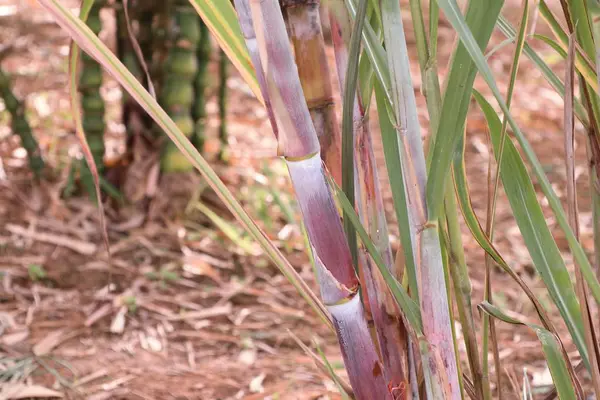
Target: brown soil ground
86 325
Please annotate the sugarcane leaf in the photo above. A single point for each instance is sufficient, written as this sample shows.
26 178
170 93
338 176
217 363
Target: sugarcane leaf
573 213
220 18
456 19
554 81
481 17
551 347
532 224
86 6
391 153
90 43
348 139
582 66
375 51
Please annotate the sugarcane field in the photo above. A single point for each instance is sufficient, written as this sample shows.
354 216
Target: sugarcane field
300 199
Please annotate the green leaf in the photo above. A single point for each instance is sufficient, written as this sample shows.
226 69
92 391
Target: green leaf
552 351
391 152
481 17
375 52
454 16
348 138
532 224
583 67
551 77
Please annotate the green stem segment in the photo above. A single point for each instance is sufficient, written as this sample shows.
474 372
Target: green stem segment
199 112
177 90
20 126
223 63
92 104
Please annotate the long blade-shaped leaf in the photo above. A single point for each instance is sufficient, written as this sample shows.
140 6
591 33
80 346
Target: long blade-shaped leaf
538 239
481 17
552 351
93 46
554 81
456 19
348 137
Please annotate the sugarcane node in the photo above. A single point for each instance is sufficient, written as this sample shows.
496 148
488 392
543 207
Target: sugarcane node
298 3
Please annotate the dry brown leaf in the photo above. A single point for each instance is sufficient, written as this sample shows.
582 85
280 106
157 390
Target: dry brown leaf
48 343
10 339
12 391
206 313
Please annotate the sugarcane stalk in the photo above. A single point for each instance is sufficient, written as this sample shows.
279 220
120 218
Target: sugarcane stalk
199 111
303 20
299 145
223 63
443 376
426 50
391 332
92 104
20 125
177 90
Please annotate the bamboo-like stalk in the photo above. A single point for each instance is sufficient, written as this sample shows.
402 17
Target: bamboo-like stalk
177 90
303 20
203 52
222 95
92 104
299 144
20 125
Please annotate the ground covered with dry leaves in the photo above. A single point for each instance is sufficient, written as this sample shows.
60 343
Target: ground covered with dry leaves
186 306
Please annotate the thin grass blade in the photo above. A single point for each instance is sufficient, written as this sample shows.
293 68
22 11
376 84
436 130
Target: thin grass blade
532 223
554 81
